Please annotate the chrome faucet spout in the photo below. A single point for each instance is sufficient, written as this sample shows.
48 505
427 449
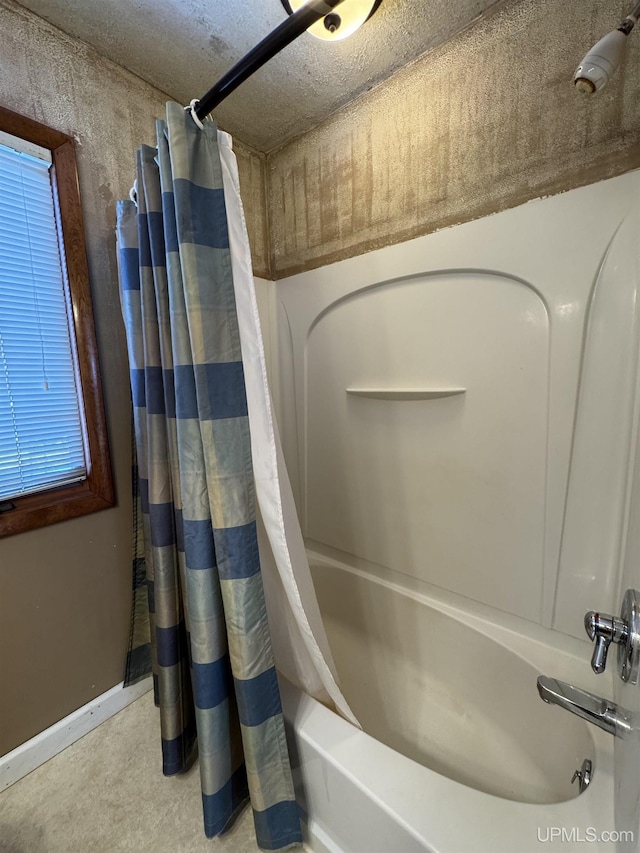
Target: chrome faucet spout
601 712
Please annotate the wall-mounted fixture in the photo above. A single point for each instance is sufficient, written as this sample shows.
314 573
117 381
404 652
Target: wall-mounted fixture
623 631
604 630
601 62
341 23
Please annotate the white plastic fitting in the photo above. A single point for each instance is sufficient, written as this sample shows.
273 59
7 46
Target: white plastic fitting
600 63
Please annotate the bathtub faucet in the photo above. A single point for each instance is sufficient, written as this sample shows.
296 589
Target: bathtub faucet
601 712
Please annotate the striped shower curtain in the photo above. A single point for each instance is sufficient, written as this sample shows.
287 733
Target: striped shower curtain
213 666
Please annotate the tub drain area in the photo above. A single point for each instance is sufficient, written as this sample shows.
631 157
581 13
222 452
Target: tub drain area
583 776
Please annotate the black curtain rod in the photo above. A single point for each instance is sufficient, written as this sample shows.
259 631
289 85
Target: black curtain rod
288 31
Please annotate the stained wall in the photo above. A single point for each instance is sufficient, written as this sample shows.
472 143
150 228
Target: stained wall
480 124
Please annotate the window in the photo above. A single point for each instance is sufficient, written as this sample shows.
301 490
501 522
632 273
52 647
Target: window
54 458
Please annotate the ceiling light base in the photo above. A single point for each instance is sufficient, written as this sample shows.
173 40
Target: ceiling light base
349 16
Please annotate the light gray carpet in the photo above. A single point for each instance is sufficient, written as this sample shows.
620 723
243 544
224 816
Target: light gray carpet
107 794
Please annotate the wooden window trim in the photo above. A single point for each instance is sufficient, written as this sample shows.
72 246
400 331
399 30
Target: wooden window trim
96 492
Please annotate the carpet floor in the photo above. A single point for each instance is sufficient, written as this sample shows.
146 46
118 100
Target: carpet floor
106 794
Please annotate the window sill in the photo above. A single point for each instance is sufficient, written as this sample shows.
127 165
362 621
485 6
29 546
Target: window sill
55 505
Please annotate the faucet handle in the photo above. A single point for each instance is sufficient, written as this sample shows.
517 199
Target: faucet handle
604 629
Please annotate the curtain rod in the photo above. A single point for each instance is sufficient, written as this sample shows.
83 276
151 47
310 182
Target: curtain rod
288 31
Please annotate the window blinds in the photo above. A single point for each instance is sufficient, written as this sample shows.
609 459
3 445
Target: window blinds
41 436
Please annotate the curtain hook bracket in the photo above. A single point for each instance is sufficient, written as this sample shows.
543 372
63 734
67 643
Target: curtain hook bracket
192 109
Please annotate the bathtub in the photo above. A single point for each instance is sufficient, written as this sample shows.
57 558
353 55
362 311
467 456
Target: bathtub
458 754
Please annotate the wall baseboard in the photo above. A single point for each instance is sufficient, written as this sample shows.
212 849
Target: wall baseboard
39 749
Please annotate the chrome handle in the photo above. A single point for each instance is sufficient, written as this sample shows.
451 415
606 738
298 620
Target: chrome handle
599 658
604 629
625 632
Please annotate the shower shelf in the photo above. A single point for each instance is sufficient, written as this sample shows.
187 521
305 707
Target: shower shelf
406 393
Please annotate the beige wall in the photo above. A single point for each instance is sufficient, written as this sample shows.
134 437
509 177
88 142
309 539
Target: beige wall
65 589
481 124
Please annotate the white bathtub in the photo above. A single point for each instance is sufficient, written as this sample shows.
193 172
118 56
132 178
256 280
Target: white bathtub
458 752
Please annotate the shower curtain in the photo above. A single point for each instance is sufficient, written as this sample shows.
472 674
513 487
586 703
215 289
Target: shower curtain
223 556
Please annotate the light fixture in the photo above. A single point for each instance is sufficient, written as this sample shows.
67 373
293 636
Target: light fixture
349 16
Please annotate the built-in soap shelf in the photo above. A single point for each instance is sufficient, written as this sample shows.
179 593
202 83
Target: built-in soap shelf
406 393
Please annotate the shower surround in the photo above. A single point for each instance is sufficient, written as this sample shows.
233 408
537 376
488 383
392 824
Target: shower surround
459 416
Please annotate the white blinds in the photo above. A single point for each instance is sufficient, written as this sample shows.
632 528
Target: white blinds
41 438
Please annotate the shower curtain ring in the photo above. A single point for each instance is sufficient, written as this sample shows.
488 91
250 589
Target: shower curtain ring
133 192
192 109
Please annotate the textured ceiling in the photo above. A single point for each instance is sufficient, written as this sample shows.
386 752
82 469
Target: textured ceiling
184 46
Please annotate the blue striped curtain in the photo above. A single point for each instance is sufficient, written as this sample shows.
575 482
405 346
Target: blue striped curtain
211 652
